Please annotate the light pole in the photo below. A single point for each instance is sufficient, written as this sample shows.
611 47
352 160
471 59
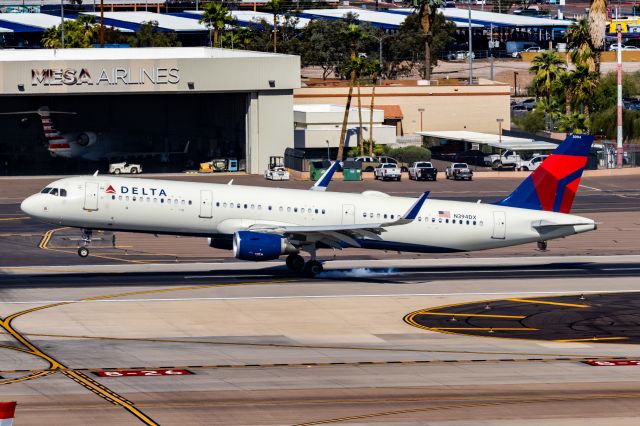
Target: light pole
470 47
380 38
421 111
499 121
62 21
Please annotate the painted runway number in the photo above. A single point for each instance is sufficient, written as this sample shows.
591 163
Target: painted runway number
139 373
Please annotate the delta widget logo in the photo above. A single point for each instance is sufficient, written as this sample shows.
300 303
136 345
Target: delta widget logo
110 190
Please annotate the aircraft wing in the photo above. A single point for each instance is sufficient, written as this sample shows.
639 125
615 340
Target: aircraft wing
339 235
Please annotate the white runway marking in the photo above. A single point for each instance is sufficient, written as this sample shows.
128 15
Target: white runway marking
331 296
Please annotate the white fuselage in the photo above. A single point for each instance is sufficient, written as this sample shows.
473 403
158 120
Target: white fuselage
204 209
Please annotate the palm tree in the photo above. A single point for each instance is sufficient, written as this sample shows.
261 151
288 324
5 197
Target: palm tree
373 69
427 10
216 16
568 82
597 22
580 45
547 67
585 85
353 34
275 6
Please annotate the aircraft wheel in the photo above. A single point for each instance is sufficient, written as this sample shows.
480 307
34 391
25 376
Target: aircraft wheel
313 268
83 252
542 245
295 262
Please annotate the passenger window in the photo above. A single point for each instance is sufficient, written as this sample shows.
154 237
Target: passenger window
392 216
182 202
453 221
467 222
269 208
302 210
161 200
419 219
217 204
322 211
134 198
253 206
295 210
440 220
364 214
378 216
289 209
113 197
385 215
259 206
474 223
433 220
447 220
245 206
127 198
119 197
176 202
316 211
280 208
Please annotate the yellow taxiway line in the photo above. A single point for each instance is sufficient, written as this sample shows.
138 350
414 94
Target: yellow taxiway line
544 302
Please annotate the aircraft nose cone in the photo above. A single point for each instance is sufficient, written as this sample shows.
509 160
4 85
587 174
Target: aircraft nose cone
29 206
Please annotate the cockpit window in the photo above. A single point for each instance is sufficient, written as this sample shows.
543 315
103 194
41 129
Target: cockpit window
54 191
45 190
63 192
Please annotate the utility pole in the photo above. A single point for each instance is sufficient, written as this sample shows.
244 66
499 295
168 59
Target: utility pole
101 23
619 56
62 21
470 47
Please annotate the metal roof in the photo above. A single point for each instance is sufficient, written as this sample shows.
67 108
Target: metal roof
386 20
506 142
35 22
246 17
133 21
486 19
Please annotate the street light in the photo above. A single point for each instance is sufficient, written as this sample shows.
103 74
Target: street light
500 120
380 38
421 111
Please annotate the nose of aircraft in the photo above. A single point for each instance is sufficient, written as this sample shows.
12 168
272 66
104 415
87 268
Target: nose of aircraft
29 205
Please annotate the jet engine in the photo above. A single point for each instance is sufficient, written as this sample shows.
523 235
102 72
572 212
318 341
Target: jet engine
86 139
257 246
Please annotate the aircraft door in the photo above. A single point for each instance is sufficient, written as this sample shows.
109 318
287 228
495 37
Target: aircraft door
348 214
206 204
499 225
91 196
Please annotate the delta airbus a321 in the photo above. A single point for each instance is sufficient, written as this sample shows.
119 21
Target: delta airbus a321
262 224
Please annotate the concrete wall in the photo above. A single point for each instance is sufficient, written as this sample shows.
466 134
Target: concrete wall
473 108
316 137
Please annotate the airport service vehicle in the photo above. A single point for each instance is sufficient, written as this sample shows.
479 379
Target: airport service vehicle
370 163
528 49
457 171
508 158
533 163
213 166
386 171
89 144
277 173
423 170
263 224
118 168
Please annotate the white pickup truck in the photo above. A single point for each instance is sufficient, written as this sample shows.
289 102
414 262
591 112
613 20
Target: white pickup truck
386 171
532 163
509 158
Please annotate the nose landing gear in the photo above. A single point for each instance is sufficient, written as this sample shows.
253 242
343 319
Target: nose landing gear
542 245
83 250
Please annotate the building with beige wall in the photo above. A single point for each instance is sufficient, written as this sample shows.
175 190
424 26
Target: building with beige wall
446 105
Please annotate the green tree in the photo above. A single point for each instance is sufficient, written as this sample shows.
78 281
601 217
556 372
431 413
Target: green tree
409 154
580 45
547 67
238 38
275 7
148 35
427 11
215 16
574 123
353 34
78 33
585 83
567 82
532 122
597 23
323 45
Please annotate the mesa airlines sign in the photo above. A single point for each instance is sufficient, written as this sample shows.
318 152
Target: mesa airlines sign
106 77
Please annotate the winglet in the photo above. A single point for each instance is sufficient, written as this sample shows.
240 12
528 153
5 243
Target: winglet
96 173
412 213
325 179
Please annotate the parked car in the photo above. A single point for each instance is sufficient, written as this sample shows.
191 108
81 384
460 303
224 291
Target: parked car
370 163
460 55
386 171
458 171
518 54
508 158
532 163
614 47
276 173
124 167
529 104
423 170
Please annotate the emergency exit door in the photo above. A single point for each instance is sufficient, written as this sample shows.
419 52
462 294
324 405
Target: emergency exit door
499 225
206 205
91 196
348 214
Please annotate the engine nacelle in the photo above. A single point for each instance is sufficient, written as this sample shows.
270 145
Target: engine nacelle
256 246
86 139
221 243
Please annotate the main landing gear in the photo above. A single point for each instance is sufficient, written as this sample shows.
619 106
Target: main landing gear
83 250
542 245
296 263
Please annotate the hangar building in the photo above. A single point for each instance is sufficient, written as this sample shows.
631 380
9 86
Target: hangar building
147 103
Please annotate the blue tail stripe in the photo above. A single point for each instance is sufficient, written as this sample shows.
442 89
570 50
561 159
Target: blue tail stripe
562 186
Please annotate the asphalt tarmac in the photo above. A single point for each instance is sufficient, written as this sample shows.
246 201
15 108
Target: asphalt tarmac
168 331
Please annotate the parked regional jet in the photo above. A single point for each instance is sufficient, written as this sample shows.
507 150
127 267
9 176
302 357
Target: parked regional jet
261 224
89 145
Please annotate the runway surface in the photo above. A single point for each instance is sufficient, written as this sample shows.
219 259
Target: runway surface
167 331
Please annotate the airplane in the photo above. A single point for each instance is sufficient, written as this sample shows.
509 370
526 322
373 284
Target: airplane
262 224
88 145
